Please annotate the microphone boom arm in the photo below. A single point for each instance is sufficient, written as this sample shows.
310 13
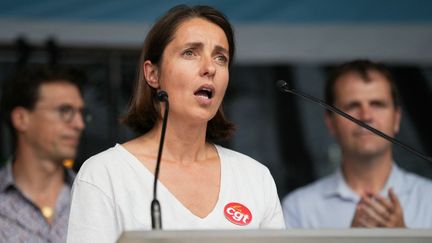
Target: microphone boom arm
283 86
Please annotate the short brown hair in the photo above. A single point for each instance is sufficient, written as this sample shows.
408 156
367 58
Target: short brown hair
143 109
361 67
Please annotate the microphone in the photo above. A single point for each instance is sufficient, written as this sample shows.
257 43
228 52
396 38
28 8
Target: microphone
155 208
283 86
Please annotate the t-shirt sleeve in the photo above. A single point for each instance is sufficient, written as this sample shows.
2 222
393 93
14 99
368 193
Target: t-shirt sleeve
273 218
92 215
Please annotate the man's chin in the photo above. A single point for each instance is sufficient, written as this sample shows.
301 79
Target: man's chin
369 152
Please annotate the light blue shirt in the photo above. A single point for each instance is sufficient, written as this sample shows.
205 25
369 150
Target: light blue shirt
330 202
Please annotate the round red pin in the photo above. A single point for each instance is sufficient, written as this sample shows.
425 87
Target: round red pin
237 213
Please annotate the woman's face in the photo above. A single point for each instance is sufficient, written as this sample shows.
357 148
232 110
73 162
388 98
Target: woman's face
194 70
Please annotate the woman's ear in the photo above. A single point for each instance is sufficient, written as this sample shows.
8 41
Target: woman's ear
151 74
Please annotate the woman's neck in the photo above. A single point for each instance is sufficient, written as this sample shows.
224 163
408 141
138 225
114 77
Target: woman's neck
183 143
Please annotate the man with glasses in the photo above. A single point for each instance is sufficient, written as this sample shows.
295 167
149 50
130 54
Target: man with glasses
44 109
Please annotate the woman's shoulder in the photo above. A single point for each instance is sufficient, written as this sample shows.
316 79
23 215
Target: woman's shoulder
235 158
103 162
105 156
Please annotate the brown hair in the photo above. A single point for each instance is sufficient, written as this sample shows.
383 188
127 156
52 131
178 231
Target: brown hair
143 112
361 67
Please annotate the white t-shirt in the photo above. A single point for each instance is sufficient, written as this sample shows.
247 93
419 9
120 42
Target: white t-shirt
113 191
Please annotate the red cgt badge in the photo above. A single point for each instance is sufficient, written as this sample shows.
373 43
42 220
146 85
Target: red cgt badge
237 213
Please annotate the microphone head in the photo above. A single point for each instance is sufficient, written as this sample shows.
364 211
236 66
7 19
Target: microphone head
281 84
162 95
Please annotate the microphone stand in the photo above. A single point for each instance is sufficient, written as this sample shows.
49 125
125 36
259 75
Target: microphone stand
155 209
283 86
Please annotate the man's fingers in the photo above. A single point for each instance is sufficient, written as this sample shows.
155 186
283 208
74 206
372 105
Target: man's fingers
379 206
394 199
384 202
374 217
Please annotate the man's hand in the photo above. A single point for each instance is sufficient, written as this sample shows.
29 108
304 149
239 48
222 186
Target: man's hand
373 210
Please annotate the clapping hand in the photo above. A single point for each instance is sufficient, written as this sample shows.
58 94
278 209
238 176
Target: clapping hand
373 210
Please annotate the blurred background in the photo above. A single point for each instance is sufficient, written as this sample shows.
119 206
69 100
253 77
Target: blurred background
297 41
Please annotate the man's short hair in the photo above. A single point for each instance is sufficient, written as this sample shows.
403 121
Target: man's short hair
362 68
22 90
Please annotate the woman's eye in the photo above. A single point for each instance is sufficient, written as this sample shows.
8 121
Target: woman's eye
188 53
222 59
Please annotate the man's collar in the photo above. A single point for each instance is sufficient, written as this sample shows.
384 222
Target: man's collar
338 186
7 178
69 176
395 181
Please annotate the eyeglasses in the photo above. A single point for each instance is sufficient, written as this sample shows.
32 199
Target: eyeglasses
68 112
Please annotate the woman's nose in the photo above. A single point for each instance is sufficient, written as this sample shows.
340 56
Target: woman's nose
208 67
